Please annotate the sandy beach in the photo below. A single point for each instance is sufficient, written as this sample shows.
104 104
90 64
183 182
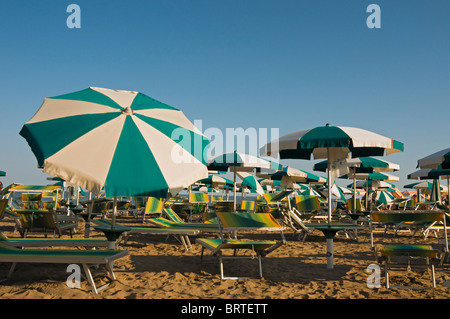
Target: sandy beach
159 268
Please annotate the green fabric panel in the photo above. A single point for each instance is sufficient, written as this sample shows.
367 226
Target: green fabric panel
173 216
325 136
89 95
247 220
194 143
398 145
143 102
154 205
409 250
134 170
49 137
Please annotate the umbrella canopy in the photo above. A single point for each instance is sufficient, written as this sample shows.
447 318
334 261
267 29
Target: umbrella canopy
251 183
124 141
297 176
434 160
2 173
425 185
366 164
384 197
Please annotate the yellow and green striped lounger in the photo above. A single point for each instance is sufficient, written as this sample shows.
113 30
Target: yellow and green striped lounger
182 232
388 252
63 256
240 221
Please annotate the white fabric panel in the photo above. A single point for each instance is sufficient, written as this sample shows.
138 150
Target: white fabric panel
433 160
364 138
86 161
177 165
121 97
54 108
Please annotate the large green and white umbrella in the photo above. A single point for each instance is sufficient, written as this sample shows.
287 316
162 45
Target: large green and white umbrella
2 173
124 141
440 158
336 144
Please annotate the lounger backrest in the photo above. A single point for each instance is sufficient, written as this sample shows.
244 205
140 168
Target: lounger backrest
350 205
173 216
3 205
307 203
31 200
198 198
37 219
248 221
224 206
248 205
154 205
394 217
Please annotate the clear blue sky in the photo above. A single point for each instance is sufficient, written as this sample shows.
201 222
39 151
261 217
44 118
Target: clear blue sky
286 64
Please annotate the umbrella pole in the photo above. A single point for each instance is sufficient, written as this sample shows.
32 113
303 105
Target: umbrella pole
329 193
113 221
234 191
354 190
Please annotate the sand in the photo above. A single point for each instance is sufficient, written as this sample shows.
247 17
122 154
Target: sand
159 268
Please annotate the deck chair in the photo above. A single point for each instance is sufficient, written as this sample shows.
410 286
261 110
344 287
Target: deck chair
303 209
216 198
239 222
63 256
276 202
198 204
394 255
176 220
180 233
54 242
43 222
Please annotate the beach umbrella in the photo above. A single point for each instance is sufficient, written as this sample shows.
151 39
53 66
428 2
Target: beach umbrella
440 158
336 144
251 183
123 141
384 197
238 162
2 173
425 185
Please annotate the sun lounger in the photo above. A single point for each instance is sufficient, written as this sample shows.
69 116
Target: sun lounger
63 256
238 222
179 232
43 222
390 255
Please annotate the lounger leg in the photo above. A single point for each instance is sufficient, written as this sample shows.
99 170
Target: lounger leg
386 275
89 278
260 266
221 267
433 277
110 267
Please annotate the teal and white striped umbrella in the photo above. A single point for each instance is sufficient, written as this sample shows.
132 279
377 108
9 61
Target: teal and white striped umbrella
441 158
251 183
384 197
124 141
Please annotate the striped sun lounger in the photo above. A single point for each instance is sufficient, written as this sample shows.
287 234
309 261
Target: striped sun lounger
63 256
181 233
238 222
389 254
